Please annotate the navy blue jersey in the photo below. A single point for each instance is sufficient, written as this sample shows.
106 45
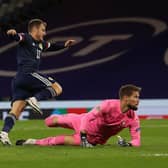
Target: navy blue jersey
29 52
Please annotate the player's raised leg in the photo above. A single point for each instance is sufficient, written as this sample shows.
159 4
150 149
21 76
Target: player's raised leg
17 108
34 104
49 88
70 121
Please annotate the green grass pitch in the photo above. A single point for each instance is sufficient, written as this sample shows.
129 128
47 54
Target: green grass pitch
152 154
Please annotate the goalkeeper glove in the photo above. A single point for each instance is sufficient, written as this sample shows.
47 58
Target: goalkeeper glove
122 142
84 142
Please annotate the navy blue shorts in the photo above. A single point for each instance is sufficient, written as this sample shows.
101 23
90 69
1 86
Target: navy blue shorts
27 85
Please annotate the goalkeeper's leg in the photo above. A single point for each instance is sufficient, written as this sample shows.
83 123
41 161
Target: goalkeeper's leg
71 121
52 141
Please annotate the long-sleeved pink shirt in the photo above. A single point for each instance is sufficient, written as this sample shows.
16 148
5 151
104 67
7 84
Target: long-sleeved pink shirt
106 120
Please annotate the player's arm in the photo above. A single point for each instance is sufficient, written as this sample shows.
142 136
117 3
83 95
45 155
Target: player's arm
122 142
135 136
58 46
135 133
15 36
84 141
84 123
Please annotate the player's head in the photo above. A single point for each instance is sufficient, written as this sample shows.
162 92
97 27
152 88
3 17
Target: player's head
129 94
37 28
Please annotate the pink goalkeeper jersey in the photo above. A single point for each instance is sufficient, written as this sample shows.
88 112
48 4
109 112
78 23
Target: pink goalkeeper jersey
106 120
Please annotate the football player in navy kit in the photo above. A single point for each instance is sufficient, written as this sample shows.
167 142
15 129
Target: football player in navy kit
29 86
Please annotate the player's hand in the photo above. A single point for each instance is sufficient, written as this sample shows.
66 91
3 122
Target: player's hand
69 43
84 142
122 142
11 32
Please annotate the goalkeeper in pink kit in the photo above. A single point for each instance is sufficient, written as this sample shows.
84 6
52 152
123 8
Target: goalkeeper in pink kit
105 120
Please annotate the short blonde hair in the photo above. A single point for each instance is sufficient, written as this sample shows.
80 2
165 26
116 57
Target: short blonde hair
127 90
35 23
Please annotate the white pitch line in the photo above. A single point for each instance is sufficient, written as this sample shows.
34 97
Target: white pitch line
155 155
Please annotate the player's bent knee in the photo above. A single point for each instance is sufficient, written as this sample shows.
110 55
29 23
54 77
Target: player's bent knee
57 87
51 121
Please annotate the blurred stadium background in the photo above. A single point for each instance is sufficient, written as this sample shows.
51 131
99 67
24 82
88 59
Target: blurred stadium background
117 43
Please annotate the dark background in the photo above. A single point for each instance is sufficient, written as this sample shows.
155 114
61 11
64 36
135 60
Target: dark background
142 65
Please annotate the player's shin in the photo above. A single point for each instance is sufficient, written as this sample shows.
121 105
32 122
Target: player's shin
50 141
9 122
8 125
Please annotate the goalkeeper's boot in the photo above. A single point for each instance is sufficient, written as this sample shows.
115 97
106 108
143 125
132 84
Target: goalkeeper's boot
32 102
4 138
22 142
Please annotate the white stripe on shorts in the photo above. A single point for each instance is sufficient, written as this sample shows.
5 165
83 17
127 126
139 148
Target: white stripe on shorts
52 91
42 79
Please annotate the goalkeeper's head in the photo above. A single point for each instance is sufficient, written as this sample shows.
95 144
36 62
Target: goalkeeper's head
129 96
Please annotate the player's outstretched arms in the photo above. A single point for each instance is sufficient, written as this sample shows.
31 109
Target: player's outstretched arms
14 35
69 43
59 45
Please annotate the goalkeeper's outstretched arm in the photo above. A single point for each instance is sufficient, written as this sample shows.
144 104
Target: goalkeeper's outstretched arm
135 133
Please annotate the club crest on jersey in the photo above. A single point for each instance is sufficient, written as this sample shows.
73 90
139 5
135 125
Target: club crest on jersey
41 46
33 44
